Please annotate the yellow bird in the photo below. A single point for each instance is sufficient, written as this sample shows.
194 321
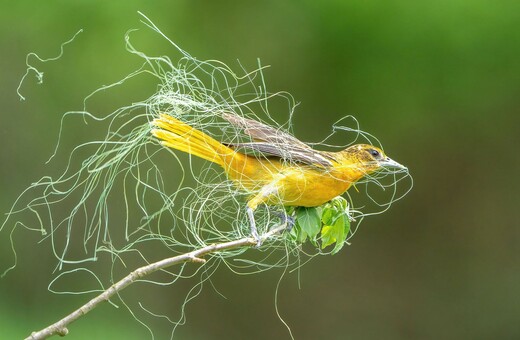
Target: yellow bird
275 167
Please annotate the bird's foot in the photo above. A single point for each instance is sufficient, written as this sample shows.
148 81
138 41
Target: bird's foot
257 238
287 219
254 232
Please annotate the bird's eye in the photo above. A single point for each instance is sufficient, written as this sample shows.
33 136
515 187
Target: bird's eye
374 153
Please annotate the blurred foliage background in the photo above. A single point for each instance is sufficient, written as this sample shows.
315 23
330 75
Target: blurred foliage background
437 82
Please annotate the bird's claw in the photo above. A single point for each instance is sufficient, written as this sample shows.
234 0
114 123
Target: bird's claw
257 238
254 232
287 219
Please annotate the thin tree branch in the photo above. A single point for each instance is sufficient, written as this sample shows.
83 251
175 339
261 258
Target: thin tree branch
60 327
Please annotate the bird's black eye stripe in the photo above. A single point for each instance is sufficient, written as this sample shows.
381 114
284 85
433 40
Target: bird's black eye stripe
373 152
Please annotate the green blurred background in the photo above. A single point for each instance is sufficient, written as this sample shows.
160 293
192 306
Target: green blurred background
437 82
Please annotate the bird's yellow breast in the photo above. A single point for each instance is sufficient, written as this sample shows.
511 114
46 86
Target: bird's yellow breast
288 184
310 187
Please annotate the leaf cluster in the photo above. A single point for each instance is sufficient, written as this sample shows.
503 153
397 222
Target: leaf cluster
322 226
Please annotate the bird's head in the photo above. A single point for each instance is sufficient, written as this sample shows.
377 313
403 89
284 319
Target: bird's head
368 158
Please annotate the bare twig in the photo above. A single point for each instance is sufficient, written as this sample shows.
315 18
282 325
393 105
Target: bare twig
60 327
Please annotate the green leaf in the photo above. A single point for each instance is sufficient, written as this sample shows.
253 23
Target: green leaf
340 203
339 225
336 233
309 220
327 236
301 237
327 215
347 224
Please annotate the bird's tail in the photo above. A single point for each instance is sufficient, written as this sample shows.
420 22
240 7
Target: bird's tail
178 135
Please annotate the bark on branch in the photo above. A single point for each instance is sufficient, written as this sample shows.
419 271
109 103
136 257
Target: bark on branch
60 327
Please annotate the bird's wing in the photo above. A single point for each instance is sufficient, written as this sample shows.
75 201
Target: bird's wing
269 141
261 132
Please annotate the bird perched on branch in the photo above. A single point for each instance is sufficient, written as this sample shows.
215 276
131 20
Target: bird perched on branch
275 167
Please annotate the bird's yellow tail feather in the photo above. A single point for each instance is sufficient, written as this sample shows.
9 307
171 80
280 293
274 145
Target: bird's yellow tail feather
178 135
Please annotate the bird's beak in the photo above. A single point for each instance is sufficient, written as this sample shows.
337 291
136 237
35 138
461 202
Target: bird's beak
388 162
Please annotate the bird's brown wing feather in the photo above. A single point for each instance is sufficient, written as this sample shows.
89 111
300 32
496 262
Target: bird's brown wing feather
269 141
